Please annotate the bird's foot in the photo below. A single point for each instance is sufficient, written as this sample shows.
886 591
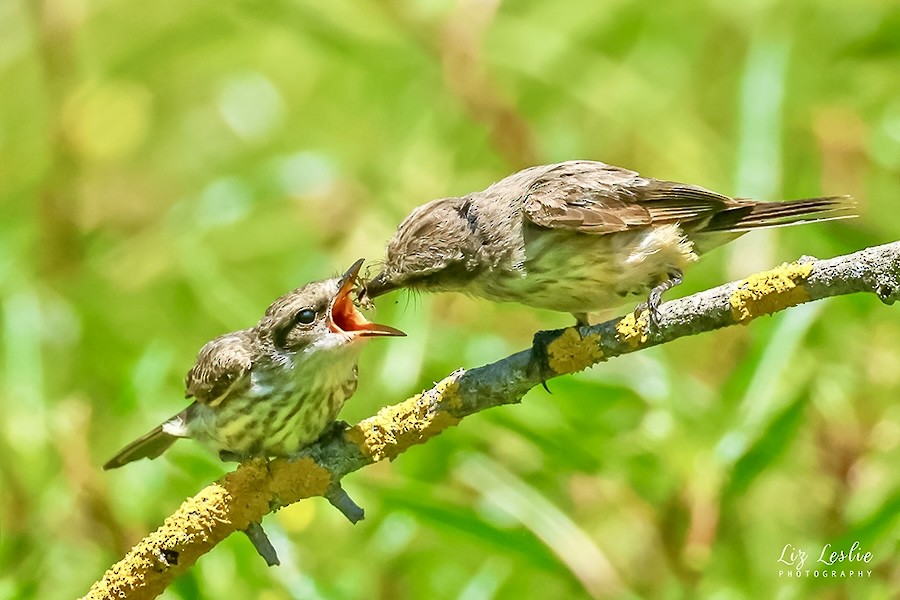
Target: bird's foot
333 430
229 456
344 503
581 319
654 299
260 541
540 360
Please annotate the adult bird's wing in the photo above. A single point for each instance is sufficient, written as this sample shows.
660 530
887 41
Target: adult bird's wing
593 197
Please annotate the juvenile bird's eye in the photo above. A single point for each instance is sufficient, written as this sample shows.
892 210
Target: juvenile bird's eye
306 316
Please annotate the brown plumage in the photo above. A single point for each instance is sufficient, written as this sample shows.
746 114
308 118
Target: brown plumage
274 388
576 236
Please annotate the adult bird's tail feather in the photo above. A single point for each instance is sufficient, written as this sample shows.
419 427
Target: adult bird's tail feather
149 445
757 215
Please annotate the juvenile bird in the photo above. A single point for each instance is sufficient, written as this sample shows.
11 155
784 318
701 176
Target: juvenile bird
576 237
274 388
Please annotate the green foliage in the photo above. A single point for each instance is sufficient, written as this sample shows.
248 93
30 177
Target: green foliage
168 168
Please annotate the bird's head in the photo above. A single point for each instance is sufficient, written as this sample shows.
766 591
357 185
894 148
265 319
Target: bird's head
320 315
430 250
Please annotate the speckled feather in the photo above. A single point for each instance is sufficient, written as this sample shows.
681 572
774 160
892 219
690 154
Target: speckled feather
221 368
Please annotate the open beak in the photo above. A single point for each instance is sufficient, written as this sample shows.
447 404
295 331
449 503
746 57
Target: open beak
344 317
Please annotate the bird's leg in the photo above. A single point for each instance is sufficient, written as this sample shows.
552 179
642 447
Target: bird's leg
344 503
260 541
334 429
654 299
229 456
581 319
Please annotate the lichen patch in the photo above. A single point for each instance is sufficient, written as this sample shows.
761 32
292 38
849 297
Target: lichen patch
293 480
767 292
181 539
570 353
633 330
413 421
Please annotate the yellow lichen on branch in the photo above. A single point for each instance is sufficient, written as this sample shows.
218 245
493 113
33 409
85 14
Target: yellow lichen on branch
396 428
187 534
570 353
770 291
293 480
633 330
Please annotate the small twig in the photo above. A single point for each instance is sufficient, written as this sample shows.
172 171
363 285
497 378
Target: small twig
256 487
344 503
261 542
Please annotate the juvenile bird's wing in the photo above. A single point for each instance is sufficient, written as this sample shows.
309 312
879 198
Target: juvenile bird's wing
151 444
593 197
223 367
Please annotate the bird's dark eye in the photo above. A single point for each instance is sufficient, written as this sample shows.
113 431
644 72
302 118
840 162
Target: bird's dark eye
306 316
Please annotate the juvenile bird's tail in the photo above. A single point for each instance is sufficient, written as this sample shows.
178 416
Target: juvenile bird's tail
753 214
150 445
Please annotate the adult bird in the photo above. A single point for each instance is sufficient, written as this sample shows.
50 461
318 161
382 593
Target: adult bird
577 237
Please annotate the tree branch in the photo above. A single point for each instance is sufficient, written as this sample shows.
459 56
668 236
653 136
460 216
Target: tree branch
258 487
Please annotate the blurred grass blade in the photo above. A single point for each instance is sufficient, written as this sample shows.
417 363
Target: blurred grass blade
524 503
770 445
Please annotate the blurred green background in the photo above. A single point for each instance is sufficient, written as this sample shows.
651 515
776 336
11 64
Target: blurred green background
170 167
